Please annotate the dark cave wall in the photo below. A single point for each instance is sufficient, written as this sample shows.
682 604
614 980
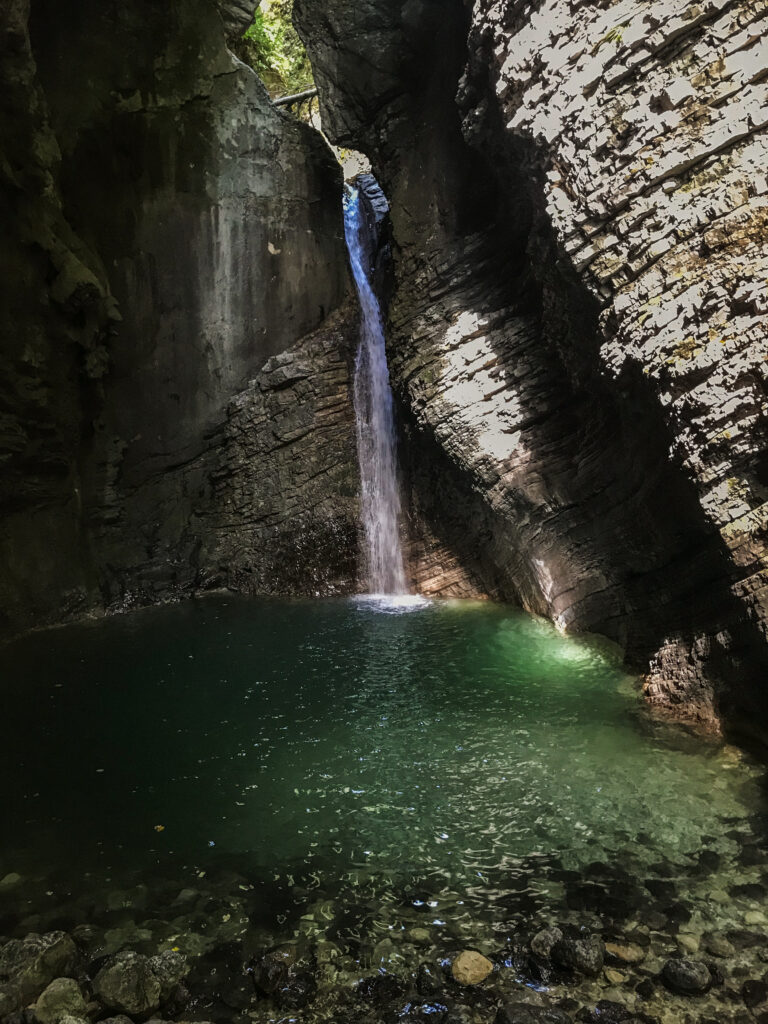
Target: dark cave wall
583 490
171 233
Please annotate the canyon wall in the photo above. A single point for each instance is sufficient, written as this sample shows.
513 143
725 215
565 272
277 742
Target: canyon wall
175 318
578 326
577 323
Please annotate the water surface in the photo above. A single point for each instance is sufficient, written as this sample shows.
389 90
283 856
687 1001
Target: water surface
461 760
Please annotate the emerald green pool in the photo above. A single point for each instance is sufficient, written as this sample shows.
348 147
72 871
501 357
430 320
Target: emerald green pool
459 762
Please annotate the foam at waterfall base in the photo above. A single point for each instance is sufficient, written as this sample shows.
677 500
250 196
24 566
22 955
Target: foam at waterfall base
393 604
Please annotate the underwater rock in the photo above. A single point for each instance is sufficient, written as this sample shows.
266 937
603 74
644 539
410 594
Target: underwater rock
298 991
606 1011
719 946
61 998
425 1013
585 956
754 992
170 968
458 1015
625 952
381 988
543 941
428 981
128 984
280 975
529 1013
28 965
686 977
471 967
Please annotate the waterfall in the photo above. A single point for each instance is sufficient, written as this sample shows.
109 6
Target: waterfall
374 418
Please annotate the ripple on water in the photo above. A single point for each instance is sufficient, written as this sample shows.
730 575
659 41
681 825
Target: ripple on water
448 775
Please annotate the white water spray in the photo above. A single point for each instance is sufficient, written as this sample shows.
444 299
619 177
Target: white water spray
375 421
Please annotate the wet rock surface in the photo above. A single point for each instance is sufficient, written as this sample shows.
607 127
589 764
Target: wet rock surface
229 946
61 999
688 977
169 232
570 341
586 956
127 984
471 968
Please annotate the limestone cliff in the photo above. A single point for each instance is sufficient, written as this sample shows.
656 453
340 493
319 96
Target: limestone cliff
578 327
169 239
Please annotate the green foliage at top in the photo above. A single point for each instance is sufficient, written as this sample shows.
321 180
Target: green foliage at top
272 47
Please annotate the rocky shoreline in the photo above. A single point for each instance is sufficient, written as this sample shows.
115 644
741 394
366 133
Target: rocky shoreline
665 942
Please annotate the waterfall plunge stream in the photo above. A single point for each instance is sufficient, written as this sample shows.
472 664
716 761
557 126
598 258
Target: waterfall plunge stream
374 418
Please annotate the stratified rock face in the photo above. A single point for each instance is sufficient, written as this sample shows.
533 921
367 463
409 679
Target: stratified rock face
170 233
649 125
577 334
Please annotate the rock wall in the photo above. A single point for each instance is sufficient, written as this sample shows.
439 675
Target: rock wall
578 332
173 238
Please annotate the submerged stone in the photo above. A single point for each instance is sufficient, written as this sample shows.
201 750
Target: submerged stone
719 946
170 968
30 964
471 967
298 990
686 977
543 941
606 1011
381 988
625 952
60 999
585 956
754 992
529 1013
128 984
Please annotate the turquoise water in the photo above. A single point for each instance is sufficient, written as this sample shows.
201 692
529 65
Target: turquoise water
441 741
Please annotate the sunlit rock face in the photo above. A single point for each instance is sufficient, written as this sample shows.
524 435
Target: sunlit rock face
578 333
170 233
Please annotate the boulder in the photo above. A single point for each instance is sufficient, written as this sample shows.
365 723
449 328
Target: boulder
62 998
28 965
279 975
170 968
625 952
686 977
471 967
585 956
754 992
381 989
128 985
298 991
719 946
606 1011
425 1013
543 941
528 1013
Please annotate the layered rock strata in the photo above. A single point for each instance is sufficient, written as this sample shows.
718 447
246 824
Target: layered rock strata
171 237
578 332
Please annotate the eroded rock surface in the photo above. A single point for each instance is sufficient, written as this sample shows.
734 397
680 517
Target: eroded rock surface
577 334
167 233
